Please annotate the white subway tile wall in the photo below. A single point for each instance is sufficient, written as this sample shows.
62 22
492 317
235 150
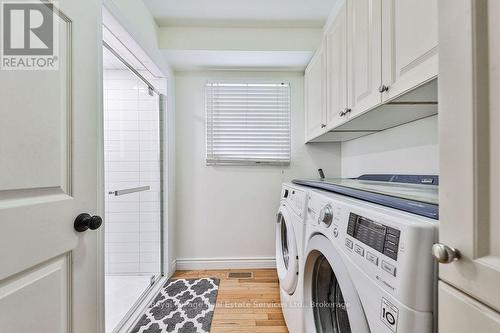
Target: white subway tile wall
132 159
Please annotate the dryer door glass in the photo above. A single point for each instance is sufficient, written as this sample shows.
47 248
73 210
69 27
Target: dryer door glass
329 307
284 240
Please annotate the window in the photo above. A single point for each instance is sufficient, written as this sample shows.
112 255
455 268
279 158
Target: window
248 123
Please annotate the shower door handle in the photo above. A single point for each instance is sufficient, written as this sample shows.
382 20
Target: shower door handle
130 190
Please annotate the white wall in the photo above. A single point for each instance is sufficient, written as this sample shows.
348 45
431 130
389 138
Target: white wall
135 17
229 212
411 148
239 39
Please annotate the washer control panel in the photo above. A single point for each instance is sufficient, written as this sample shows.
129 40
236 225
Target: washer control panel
379 237
326 215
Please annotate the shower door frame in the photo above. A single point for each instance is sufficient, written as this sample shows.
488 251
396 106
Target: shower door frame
161 108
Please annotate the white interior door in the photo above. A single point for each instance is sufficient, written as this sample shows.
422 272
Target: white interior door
49 128
469 109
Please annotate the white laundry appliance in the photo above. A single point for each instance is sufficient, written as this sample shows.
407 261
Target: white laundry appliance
289 253
368 265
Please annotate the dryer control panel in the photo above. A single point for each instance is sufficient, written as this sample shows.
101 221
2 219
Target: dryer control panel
379 237
296 198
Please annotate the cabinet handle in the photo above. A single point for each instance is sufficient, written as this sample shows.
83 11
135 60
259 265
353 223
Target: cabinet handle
345 112
444 254
323 125
383 88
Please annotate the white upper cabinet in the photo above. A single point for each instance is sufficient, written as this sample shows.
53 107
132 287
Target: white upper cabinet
364 54
375 52
336 73
315 95
409 44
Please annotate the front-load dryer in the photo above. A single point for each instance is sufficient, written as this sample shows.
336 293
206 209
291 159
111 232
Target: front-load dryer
367 268
289 253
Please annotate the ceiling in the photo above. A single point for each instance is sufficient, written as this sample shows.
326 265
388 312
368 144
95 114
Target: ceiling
241 13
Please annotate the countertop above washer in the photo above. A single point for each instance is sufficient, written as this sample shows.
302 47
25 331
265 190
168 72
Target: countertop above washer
414 194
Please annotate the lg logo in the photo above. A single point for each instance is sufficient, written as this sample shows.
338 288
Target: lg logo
389 315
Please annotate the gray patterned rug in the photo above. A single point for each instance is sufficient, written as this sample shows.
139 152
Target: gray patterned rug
181 306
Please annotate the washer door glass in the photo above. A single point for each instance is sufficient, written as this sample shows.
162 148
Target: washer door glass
329 308
285 253
287 260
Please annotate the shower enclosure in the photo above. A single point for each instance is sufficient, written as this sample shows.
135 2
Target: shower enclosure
133 186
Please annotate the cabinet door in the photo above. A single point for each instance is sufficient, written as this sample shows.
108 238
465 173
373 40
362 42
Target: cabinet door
469 132
409 44
315 96
459 313
364 41
336 64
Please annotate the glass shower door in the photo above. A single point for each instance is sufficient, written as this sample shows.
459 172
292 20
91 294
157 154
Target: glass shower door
132 155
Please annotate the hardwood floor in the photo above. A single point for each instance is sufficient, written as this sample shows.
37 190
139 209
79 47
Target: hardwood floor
245 304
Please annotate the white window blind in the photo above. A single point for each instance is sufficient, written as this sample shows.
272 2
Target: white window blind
248 123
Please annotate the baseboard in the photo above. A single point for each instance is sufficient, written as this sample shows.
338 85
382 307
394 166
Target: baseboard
225 263
172 268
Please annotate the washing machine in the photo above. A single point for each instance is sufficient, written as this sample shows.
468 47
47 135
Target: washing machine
289 253
368 267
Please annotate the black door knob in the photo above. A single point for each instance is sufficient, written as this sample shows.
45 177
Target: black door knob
84 221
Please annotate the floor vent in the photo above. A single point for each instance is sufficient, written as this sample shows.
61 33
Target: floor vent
240 275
